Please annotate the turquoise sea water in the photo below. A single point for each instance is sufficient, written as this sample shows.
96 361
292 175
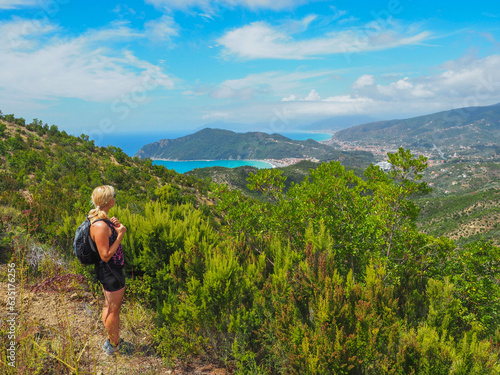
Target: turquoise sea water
185 166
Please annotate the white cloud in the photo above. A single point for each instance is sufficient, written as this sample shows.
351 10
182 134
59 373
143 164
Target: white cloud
332 106
117 31
210 6
337 12
225 92
349 19
13 4
364 80
298 26
260 40
36 64
461 83
313 96
122 9
343 104
22 34
291 98
396 88
476 80
348 99
268 4
162 29
273 83
179 4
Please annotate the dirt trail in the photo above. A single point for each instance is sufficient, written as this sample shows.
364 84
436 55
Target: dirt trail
58 320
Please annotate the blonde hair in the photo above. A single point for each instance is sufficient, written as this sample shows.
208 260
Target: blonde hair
101 197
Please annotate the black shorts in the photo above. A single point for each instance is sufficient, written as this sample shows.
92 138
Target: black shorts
112 279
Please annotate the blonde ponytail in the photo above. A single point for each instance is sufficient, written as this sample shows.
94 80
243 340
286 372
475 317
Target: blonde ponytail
97 213
101 198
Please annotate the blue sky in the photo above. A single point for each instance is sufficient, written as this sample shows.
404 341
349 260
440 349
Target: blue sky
273 65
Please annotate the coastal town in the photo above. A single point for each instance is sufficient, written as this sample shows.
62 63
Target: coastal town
285 162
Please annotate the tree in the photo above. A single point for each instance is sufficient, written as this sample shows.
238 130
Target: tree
365 217
20 121
53 130
392 191
3 128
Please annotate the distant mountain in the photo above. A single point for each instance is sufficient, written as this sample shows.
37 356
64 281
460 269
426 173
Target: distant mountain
218 144
453 129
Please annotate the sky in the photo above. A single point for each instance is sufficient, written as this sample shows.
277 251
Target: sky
158 66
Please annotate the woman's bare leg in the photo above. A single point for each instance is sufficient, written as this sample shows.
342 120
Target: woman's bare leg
111 314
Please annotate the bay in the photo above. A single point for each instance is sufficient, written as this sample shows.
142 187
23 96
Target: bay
130 143
188 165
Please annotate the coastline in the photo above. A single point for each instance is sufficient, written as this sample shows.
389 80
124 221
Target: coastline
154 159
182 166
274 163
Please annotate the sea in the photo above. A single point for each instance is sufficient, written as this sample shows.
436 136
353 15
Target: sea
130 143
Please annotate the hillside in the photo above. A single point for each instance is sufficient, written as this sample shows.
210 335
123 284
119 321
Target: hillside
327 275
464 203
218 144
472 132
47 177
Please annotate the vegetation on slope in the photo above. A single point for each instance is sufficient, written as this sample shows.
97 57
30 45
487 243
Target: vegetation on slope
462 206
464 218
330 276
237 178
50 175
464 203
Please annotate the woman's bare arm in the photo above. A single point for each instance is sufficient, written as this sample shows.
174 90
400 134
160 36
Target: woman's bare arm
100 233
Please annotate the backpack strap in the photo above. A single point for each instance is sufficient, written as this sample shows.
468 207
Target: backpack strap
91 242
95 221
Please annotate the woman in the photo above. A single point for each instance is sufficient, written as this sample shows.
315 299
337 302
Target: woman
107 234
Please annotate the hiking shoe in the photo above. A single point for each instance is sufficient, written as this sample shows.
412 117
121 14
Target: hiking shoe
108 348
123 347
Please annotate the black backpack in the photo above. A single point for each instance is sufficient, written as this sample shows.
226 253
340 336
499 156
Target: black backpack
85 248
